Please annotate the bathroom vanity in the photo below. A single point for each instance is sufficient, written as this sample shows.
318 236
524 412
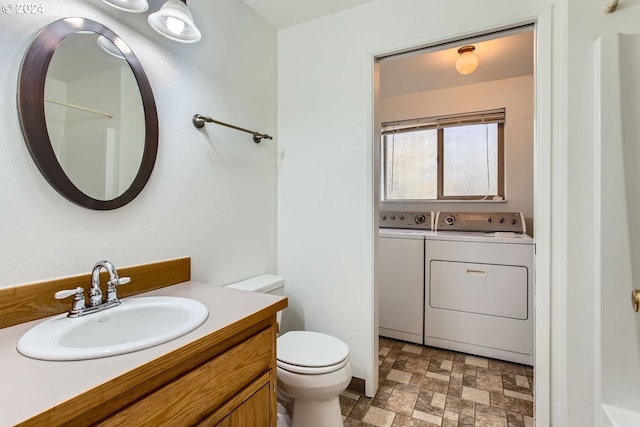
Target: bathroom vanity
221 374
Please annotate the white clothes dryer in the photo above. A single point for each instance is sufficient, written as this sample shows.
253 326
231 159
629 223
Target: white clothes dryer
479 285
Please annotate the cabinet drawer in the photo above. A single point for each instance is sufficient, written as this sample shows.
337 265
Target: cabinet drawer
193 396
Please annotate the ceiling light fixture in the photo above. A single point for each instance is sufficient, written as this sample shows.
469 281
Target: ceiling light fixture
134 6
175 22
467 61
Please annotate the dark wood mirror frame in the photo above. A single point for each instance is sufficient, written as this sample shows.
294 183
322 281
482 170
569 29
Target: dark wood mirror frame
31 110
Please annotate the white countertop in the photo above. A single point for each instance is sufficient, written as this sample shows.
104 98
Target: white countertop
29 387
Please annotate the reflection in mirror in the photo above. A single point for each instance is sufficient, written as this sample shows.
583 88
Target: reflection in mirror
109 47
94 115
88 114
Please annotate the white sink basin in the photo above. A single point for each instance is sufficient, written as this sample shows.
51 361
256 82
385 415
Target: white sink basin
136 324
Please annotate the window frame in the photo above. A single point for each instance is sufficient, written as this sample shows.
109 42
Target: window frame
439 124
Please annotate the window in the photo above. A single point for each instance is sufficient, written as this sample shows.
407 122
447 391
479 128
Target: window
457 157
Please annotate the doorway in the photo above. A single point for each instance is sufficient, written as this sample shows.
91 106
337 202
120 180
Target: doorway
409 86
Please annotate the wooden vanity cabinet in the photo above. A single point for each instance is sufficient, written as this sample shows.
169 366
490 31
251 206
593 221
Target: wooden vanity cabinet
227 378
197 398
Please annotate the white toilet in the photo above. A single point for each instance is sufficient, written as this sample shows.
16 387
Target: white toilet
313 368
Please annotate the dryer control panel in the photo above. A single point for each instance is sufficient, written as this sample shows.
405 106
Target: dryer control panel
410 220
487 222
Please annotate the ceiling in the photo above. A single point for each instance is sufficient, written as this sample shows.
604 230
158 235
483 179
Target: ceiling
511 55
500 56
286 13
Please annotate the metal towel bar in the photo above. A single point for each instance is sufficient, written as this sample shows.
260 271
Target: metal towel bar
199 120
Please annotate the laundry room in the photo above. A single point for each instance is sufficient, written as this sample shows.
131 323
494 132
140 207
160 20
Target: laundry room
455 259
423 85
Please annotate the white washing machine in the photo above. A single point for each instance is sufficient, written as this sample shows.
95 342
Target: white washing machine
479 285
401 274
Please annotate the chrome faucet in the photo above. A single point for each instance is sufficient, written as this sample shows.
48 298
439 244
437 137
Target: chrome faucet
95 293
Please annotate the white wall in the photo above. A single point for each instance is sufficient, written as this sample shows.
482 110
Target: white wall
327 193
212 194
513 94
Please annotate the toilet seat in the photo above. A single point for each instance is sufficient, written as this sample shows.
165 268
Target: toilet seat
296 369
306 352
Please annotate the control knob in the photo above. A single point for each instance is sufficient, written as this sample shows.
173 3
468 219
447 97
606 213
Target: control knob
401 217
384 217
392 217
420 219
489 220
449 220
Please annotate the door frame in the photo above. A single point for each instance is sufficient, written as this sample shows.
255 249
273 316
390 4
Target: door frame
542 211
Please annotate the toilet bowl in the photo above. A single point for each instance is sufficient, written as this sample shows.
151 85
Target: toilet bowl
313 368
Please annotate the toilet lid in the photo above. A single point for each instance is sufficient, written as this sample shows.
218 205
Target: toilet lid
311 349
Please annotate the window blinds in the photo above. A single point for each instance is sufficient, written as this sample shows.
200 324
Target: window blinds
474 118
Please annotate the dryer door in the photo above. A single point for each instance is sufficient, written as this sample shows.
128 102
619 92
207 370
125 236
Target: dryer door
489 289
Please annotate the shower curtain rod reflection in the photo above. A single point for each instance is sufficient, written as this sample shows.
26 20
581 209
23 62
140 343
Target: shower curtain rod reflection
79 107
199 120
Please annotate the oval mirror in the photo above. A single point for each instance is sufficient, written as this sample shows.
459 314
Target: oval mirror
88 114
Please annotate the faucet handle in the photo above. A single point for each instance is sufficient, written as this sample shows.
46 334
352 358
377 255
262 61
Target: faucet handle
111 288
118 281
68 292
78 300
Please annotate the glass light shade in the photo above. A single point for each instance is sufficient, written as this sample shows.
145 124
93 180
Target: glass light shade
174 21
174 25
467 61
134 6
106 45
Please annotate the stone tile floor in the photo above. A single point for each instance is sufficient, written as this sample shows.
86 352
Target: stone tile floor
426 387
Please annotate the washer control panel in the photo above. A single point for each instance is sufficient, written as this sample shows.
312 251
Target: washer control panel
487 222
410 220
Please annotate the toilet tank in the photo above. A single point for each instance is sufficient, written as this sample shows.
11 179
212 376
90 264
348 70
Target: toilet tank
265 283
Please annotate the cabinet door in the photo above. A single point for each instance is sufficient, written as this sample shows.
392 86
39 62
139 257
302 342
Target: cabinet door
253 411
